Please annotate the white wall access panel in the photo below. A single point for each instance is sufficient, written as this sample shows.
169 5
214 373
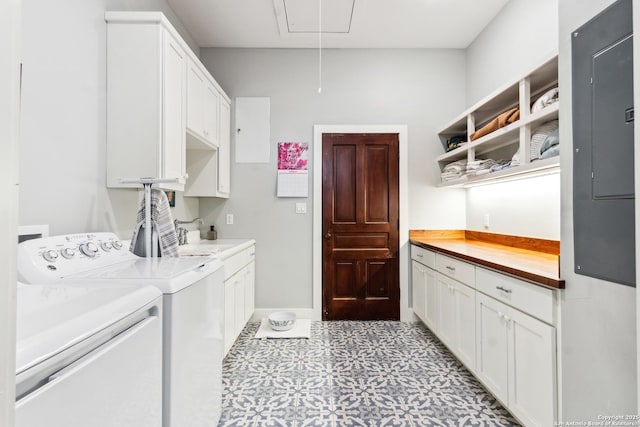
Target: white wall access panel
253 129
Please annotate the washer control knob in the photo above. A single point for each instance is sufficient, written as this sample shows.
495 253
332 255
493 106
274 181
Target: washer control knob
50 255
89 249
68 253
106 246
117 244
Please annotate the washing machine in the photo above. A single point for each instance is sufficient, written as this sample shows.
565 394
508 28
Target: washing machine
88 356
193 311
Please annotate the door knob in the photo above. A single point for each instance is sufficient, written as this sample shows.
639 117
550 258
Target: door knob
328 235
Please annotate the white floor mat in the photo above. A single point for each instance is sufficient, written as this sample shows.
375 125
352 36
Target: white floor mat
302 329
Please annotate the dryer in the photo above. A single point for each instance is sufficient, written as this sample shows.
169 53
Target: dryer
193 311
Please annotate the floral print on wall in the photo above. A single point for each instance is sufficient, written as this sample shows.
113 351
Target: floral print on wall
293 155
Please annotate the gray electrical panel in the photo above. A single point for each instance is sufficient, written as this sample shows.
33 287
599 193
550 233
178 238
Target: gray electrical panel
603 166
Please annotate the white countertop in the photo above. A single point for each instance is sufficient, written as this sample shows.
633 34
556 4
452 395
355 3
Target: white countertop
220 248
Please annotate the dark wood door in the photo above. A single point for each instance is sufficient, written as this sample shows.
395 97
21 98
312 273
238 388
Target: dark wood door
360 222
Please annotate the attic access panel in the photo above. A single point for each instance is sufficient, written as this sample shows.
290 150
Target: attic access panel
302 16
603 167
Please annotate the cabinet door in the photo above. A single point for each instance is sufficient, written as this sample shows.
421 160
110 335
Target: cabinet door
492 345
229 315
249 290
465 324
238 303
210 114
456 320
446 315
172 151
418 292
195 100
431 300
532 370
224 148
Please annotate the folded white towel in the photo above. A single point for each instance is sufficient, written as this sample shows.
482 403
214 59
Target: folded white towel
161 225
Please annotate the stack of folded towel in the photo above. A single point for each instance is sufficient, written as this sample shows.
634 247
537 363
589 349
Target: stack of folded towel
539 135
480 167
454 170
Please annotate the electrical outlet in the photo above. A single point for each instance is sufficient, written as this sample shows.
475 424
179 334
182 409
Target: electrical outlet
229 219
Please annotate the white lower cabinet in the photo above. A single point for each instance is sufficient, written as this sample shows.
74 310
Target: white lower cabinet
456 322
239 294
249 290
492 347
424 287
532 370
502 330
517 360
418 285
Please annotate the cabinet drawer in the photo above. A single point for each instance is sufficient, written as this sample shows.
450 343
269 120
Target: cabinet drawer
534 300
234 263
456 269
423 256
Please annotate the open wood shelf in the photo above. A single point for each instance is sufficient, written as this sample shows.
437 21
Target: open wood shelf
514 136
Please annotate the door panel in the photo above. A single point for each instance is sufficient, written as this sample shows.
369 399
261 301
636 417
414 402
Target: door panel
344 208
377 184
346 276
360 226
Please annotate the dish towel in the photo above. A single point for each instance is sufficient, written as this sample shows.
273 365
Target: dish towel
161 225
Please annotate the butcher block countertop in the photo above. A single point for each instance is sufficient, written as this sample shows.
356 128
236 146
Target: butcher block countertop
534 260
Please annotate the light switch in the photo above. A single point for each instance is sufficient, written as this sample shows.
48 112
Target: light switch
486 220
229 219
301 208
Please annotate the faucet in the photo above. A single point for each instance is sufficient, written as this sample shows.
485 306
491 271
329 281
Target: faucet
182 232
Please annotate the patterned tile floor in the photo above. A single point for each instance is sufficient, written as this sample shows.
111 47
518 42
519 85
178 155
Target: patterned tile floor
353 374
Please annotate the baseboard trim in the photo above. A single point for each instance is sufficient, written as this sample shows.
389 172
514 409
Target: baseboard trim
301 313
309 313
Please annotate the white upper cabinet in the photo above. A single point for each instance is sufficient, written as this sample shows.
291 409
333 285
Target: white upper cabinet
195 100
145 102
210 113
202 107
224 150
167 117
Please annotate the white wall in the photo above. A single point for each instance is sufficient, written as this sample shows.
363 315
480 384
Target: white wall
63 123
528 207
598 343
10 23
514 42
420 88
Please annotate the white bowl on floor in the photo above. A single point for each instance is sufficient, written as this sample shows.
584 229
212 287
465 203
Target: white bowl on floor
282 320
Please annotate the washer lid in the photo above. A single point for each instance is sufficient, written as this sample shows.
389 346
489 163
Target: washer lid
167 273
53 318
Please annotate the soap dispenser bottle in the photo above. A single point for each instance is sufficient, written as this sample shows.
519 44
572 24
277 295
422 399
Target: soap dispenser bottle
212 234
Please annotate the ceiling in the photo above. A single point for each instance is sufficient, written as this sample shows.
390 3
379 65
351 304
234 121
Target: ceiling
345 23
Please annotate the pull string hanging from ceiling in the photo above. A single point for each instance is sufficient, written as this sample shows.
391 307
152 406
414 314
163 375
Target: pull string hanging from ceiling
320 46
